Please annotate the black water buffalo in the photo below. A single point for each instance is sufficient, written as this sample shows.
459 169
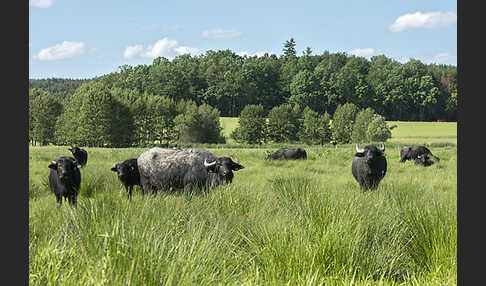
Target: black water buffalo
423 160
288 154
166 169
412 153
65 179
128 174
369 166
81 155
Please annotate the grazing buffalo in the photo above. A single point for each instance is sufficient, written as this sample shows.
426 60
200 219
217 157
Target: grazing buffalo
81 155
128 174
423 160
369 166
288 153
65 179
412 153
165 169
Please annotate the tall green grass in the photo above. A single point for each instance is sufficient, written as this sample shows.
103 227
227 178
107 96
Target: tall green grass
278 223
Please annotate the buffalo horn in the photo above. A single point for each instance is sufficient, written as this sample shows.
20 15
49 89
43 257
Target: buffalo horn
236 160
206 164
382 147
359 150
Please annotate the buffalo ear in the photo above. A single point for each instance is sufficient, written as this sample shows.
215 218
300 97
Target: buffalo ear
237 167
359 154
114 168
53 165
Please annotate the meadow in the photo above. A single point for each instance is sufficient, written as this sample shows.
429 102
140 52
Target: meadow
278 223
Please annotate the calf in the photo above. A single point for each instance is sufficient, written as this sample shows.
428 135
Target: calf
81 155
128 174
65 179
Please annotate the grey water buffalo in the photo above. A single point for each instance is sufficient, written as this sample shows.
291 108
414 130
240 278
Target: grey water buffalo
65 179
288 154
80 155
423 160
172 169
412 153
369 166
128 174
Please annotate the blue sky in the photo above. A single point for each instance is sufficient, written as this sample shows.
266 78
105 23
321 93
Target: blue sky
84 38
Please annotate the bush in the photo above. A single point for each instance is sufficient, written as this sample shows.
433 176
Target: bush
315 127
378 129
361 123
199 124
252 125
284 123
343 121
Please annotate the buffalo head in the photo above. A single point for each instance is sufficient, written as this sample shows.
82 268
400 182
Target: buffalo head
224 167
370 152
65 167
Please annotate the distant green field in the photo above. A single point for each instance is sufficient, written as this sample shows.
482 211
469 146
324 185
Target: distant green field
405 132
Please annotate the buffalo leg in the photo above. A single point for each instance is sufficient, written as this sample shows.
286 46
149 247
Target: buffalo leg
72 200
59 200
129 191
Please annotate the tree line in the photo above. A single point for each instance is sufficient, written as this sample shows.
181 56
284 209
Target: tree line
97 116
158 101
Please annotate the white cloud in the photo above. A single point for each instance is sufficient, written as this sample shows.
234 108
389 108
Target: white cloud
248 54
423 20
444 57
162 48
439 58
172 28
41 3
61 51
148 27
363 52
187 50
220 34
133 51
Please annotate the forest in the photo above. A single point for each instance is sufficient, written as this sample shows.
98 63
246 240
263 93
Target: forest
143 103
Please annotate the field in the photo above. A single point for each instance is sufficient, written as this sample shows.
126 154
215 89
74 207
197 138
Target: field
404 132
278 223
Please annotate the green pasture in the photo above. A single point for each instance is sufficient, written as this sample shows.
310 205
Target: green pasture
278 223
405 131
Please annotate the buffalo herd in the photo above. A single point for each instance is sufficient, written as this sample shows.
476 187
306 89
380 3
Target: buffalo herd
185 169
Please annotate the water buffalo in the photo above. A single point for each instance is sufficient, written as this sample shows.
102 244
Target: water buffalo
128 174
369 166
166 169
412 153
288 154
81 155
423 160
65 179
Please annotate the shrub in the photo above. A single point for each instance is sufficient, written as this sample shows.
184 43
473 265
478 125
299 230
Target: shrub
315 128
252 125
284 123
343 121
378 129
363 119
199 124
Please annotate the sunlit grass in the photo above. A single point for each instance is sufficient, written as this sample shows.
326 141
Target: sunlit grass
278 223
